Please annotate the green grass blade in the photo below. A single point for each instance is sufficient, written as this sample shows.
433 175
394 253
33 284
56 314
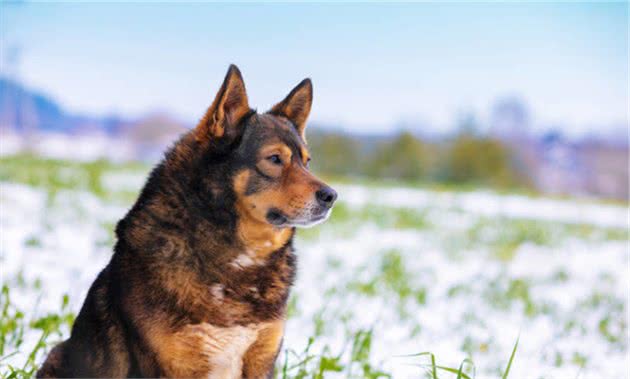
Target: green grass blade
507 369
433 365
459 373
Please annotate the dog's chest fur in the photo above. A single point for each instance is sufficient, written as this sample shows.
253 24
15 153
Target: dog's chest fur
220 328
225 348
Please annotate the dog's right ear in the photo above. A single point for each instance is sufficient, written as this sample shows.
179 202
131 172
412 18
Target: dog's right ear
227 110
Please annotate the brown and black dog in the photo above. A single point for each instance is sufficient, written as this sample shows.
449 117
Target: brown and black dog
199 280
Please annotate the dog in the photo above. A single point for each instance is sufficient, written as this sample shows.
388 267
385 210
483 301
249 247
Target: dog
203 264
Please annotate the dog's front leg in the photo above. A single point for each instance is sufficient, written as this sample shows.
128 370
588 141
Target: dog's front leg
259 360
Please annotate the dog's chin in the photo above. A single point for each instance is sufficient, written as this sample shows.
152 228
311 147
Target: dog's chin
280 220
312 221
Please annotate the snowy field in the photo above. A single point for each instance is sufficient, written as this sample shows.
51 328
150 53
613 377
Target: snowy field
395 272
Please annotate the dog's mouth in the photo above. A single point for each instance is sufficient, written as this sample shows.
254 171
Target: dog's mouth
277 218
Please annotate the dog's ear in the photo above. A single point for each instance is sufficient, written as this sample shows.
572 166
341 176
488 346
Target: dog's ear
297 105
227 110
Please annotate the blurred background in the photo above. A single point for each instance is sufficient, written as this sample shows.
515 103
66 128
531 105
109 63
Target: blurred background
480 151
510 95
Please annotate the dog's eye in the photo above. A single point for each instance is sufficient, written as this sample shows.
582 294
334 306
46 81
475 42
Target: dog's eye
308 162
275 159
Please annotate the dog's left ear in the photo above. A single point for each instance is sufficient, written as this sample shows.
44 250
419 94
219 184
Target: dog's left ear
297 105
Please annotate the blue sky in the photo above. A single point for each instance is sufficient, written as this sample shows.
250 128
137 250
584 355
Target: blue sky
373 65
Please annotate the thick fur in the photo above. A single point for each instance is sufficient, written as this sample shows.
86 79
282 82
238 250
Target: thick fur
198 283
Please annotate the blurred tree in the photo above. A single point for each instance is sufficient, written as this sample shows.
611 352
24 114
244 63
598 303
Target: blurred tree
335 154
479 160
403 158
469 158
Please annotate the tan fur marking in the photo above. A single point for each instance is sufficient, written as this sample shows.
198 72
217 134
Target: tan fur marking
270 168
277 148
205 350
305 155
218 292
260 237
240 181
244 260
260 357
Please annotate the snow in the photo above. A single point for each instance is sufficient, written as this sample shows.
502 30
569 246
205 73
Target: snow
491 204
80 147
73 237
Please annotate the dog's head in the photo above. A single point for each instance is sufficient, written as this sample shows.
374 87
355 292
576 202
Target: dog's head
268 154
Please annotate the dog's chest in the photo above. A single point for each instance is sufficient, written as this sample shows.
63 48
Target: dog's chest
225 347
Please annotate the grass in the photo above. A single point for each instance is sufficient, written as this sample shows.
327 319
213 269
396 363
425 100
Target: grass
13 324
353 361
353 364
392 279
503 292
56 175
433 370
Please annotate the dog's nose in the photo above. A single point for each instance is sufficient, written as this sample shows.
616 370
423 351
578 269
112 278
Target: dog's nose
326 196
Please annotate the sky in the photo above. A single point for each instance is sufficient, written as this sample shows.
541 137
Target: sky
374 66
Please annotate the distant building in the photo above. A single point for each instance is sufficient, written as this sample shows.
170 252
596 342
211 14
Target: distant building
560 169
605 168
557 165
509 120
